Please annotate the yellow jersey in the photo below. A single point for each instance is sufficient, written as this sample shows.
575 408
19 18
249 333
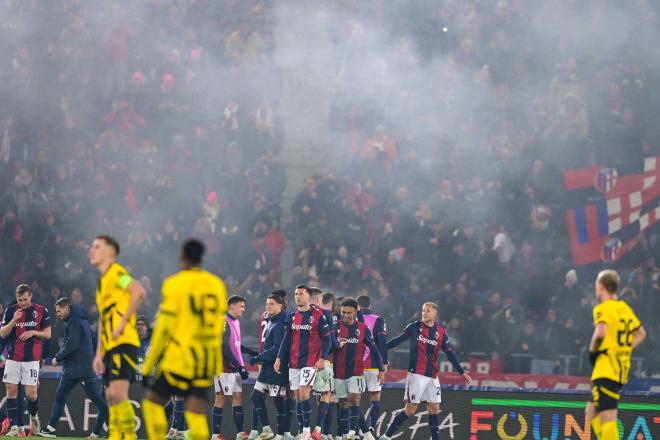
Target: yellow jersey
197 300
621 322
112 300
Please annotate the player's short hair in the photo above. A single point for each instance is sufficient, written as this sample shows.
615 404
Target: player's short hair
278 299
430 304
364 301
349 302
280 293
304 287
609 279
110 241
235 299
328 298
63 302
315 291
193 250
142 318
22 289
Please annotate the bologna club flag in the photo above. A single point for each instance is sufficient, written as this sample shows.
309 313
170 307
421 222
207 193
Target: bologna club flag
608 208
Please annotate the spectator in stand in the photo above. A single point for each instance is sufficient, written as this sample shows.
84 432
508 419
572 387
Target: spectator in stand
144 331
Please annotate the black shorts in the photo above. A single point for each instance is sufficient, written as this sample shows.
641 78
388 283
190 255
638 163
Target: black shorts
605 394
120 364
169 384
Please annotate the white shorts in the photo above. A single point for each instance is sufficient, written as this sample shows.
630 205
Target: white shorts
352 385
270 389
25 373
301 377
324 382
371 379
422 389
228 383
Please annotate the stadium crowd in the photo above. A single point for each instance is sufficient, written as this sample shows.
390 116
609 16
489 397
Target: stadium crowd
111 125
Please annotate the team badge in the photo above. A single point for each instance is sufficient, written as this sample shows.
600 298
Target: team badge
606 179
357 332
311 320
611 249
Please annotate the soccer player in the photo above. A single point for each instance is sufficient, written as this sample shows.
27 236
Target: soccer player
26 325
186 345
323 384
230 382
618 332
354 338
76 357
269 383
306 345
372 376
118 297
422 384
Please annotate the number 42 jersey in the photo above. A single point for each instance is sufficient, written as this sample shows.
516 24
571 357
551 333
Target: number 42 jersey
198 301
621 322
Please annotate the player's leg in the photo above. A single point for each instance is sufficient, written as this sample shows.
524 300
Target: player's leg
117 394
195 415
260 413
416 385
30 381
121 362
344 416
321 413
91 388
374 388
283 424
12 378
63 389
593 419
218 408
304 399
295 375
434 427
238 415
178 417
153 409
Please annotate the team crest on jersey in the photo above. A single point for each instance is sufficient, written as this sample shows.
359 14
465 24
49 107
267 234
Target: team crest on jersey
437 336
357 332
311 320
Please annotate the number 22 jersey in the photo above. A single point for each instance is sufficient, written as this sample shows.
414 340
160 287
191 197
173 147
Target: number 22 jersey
621 322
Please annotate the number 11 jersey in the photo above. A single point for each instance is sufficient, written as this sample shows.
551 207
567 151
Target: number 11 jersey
621 322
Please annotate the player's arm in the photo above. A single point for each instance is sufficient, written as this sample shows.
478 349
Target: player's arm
600 331
163 330
226 349
398 340
326 337
137 295
276 335
380 338
369 342
72 343
45 332
638 336
447 348
249 351
8 323
285 346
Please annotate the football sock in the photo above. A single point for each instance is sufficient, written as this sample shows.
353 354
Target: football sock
199 429
237 412
433 426
374 413
354 418
610 431
299 414
12 412
321 413
33 407
292 407
306 407
596 427
114 431
328 418
282 415
177 416
343 420
126 416
396 423
216 421
154 420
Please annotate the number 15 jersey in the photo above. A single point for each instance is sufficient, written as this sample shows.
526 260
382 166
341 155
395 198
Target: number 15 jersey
198 301
621 322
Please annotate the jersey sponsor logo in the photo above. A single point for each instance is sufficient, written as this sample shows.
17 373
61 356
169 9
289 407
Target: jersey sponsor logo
26 324
421 338
352 340
301 327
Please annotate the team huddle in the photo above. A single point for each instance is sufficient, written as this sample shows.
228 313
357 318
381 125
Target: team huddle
333 348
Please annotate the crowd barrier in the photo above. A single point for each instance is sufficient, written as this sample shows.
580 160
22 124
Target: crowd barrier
468 413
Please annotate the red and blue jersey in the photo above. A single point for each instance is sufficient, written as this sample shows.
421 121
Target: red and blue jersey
263 326
307 338
425 344
349 359
378 330
34 317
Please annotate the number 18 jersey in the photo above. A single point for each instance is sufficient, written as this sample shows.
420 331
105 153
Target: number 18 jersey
621 322
198 301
